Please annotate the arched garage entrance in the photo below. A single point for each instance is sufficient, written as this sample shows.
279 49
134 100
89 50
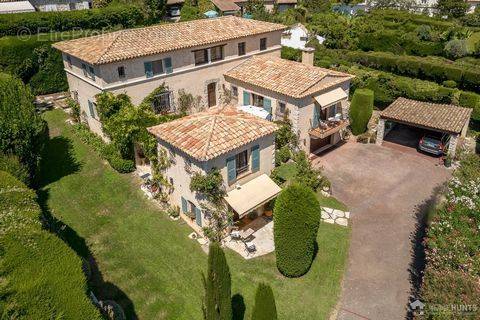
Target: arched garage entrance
418 120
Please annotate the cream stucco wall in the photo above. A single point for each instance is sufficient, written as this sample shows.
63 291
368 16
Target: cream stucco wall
300 111
181 176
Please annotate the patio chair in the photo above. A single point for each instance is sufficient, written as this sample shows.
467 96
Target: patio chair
250 247
235 235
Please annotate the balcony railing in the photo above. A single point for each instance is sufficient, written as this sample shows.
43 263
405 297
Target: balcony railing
327 128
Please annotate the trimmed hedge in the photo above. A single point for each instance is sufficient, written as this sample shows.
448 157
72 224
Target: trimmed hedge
361 110
125 16
42 276
264 308
471 100
296 219
106 151
12 165
417 67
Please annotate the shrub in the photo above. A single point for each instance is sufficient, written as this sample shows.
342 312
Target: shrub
361 110
217 304
282 155
106 151
296 220
12 165
42 276
264 308
449 84
456 48
471 100
22 131
114 15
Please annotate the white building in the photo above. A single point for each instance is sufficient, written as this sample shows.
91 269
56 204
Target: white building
297 37
15 7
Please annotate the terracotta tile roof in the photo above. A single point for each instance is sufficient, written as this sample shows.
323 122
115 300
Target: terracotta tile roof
209 134
444 117
225 5
132 43
286 77
286 1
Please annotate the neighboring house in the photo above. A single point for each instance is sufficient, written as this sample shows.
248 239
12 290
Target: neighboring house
173 8
472 5
350 9
297 37
189 55
61 5
15 6
314 99
226 7
241 146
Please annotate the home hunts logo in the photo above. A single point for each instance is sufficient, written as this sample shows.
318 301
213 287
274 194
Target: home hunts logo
419 308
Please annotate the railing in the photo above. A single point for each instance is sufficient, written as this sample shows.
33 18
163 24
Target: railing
326 128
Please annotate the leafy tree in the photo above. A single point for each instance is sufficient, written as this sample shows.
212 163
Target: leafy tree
265 308
155 10
109 104
296 219
217 303
211 185
361 110
22 131
189 11
452 8
306 174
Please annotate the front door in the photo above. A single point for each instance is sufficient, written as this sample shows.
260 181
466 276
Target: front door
212 99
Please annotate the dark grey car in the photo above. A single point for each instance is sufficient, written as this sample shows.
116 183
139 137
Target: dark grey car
434 144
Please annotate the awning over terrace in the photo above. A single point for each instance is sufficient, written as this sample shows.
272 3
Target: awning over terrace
331 97
252 194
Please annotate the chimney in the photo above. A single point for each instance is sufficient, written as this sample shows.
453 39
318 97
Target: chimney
307 55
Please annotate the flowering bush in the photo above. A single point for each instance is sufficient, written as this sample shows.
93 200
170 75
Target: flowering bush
453 242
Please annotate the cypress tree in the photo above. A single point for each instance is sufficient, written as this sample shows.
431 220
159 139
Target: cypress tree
217 304
265 308
361 110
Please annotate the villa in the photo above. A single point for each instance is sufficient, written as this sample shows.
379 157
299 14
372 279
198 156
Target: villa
191 55
241 146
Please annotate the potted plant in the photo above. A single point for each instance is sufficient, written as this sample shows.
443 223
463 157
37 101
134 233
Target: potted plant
448 161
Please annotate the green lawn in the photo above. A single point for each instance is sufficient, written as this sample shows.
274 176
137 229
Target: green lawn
145 260
331 202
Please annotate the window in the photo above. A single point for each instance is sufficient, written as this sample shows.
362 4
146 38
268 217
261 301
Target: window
157 67
241 49
91 72
121 72
234 91
281 108
216 53
69 62
303 38
241 162
201 56
161 103
263 44
71 6
257 100
332 111
84 68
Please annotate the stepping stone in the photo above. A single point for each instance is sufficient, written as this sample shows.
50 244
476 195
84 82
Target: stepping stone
342 222
338 213
347 215
329 221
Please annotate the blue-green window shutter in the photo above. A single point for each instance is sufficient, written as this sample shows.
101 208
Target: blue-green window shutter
231 170
267 105
184 205
246 98
198 216
90 109
148 69
168 65
255 158
316 116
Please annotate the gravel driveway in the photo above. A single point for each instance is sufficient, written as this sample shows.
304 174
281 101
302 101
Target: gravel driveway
384 189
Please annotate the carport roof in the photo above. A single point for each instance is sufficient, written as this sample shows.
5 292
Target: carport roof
442 117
